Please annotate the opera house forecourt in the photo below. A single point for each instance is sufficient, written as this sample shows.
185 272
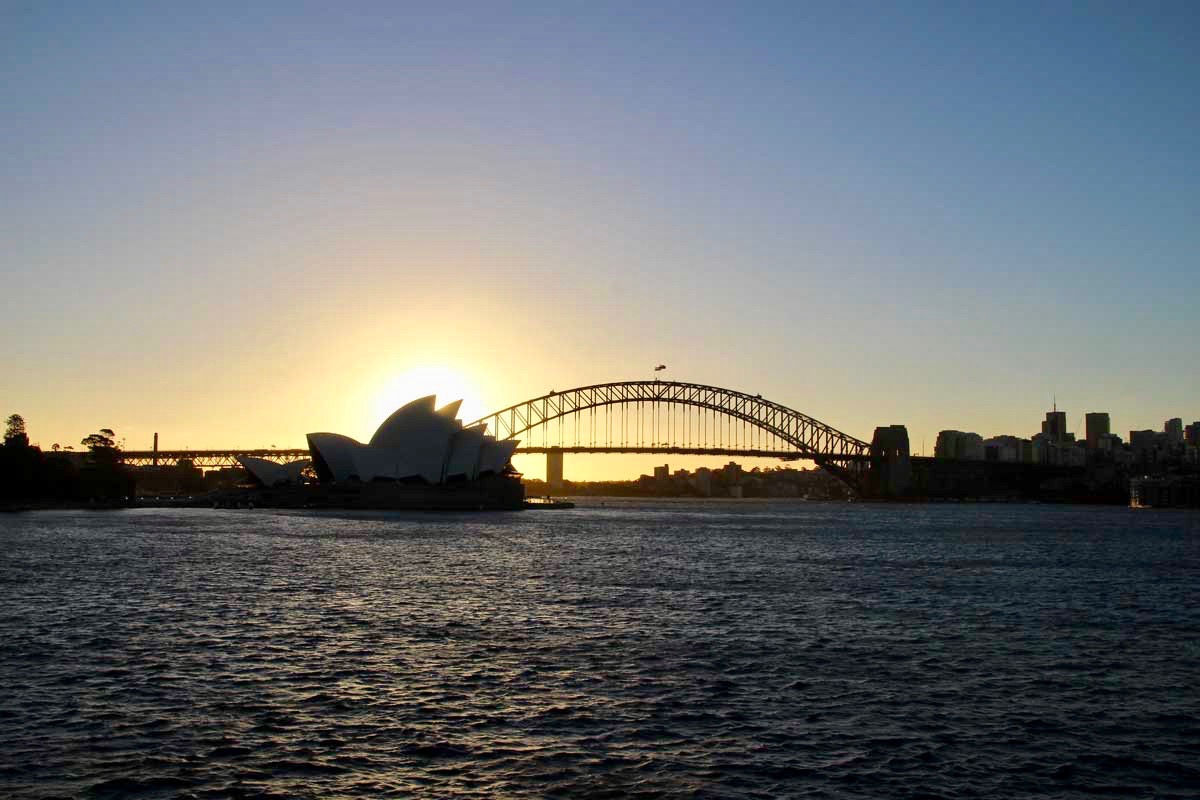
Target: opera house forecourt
421 457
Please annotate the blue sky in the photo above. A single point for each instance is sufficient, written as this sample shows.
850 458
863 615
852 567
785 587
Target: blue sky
874 213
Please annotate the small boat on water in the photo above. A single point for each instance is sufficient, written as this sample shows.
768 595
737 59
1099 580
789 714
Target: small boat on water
1165 491
547 503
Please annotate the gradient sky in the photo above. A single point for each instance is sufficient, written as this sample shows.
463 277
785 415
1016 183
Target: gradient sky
235 225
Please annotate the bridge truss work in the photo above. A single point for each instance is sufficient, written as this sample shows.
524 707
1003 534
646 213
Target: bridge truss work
674 417
628 417
207 459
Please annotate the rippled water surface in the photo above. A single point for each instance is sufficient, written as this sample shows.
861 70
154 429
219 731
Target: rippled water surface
721 649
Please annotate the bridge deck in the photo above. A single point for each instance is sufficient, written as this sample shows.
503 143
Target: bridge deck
208 459
218 459
624 417
784 455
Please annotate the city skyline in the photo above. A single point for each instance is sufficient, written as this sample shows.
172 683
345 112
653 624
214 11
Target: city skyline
1056 429
235 226
549 399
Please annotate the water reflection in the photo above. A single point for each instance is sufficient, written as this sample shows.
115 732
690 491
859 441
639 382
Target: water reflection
722 649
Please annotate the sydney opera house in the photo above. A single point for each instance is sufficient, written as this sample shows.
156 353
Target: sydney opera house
420 457
418 443
268 473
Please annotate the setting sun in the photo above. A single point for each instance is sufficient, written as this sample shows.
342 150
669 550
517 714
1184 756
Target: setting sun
426 379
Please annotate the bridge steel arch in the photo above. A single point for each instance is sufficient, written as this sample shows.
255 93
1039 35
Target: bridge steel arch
841 454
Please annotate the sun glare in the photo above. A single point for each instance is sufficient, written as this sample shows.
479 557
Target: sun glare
448 384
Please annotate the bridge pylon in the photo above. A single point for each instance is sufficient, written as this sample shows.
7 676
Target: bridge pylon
890 473
554 469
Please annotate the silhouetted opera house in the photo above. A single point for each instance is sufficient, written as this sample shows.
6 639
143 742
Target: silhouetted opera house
420 457
268 473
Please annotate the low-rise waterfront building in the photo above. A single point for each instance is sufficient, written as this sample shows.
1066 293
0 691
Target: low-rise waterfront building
1145 443
1007 448
1047 450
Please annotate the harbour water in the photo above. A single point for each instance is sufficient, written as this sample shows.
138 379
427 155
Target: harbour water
621 648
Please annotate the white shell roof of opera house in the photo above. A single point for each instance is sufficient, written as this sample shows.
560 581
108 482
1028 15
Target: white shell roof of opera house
418 440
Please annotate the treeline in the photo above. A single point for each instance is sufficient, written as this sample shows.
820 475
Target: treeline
30 477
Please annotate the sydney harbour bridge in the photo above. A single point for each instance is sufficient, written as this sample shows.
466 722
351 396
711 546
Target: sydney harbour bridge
645 416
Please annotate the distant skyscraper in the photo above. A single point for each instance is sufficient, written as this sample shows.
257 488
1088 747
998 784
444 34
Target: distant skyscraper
1055 426
1173 428
959 444
1097 424
1143 442
1192 434
1004 448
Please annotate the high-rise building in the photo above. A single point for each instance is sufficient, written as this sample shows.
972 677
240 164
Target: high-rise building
1143 442
1055 427
1004 448
959 444
1192 434
1097 425
1173 428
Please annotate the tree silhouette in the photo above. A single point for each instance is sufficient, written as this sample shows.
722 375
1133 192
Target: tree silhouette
20 464
14 432
104 477
102 445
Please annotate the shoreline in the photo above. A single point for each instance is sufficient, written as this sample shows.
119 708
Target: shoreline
207 502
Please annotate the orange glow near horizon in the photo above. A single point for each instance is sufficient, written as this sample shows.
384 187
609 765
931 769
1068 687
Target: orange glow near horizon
422 380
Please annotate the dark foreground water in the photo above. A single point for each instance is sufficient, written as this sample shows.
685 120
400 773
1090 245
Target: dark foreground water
630 649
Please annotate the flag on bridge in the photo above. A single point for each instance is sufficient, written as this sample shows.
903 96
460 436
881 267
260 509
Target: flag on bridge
660 367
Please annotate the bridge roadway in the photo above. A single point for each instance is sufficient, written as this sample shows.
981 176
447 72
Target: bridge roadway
782 455
623 416
207 459
222 459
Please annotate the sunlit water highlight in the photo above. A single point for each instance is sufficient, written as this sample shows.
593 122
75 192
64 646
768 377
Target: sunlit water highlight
733 649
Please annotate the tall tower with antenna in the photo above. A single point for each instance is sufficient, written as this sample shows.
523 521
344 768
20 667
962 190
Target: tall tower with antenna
1055 426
